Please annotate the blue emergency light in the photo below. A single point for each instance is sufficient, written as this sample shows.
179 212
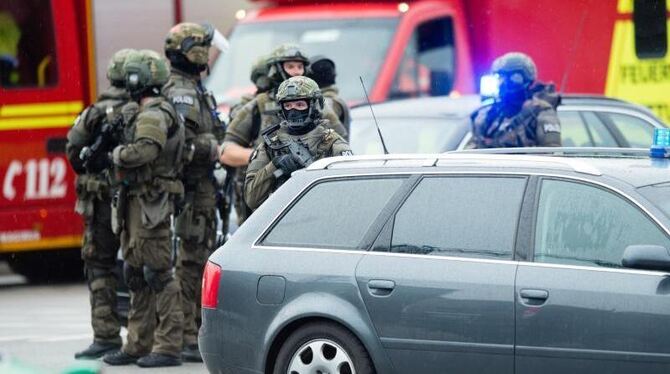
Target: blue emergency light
488 86
661 146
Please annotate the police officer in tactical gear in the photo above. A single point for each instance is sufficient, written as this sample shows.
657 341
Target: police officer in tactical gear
243 133
300 139
259 77
94 195
146 167
322 71
187 47
524 114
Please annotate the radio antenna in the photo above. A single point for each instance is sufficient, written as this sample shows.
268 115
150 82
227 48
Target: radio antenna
386 151
575 46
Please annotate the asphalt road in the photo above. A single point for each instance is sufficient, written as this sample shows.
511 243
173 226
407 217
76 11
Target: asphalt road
43 325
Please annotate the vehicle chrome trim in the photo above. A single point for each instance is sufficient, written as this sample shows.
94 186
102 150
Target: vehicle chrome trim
446 346
432 159
256 243
591 354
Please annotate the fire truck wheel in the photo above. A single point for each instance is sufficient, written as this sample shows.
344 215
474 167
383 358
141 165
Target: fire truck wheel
48 266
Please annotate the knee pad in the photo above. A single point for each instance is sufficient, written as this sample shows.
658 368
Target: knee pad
157 279
134 277
94 273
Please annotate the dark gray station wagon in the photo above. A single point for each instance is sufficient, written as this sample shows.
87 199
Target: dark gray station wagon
466 262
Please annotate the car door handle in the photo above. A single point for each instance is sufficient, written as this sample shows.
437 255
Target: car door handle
536 295
380 287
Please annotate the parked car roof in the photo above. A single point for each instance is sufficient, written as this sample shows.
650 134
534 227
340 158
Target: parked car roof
631 166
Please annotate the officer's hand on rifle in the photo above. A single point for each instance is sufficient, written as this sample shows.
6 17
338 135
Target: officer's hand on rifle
285 164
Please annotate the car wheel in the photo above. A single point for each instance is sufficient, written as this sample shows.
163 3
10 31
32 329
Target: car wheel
323 347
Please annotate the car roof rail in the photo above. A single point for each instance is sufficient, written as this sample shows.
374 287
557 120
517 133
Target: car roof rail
562 151
428 160
594 97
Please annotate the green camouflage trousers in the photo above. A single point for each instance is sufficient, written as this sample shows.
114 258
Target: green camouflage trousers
153 289
99 249
195 247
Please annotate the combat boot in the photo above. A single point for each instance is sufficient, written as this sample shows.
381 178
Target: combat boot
97 350
119 358
191 353
155 360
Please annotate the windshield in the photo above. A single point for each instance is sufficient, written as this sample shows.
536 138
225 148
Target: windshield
340 40
429 135
659 195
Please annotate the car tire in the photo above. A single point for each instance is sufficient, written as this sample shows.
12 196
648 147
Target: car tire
338 351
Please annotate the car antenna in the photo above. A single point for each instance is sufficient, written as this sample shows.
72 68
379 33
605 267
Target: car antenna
575 45
386 151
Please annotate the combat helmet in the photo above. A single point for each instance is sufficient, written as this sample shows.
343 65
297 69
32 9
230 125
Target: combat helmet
300 88
187 45
145 73
515 63
283 53
115 72
259 74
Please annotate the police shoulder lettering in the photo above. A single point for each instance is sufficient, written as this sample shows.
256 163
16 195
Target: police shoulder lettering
552 127
183 99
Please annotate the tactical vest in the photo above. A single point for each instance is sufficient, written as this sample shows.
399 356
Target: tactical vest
198 108
170 161
265 114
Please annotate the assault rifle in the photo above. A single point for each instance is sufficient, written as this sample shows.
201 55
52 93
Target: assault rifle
95 156
298 151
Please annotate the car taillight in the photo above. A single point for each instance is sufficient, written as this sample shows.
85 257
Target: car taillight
210 285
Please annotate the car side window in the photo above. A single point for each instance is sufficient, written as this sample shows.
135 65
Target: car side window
460 216
637 132
581 224
600 135
573 130
333 214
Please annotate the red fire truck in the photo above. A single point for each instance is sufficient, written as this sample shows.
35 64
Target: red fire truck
47 84
48 75
437 47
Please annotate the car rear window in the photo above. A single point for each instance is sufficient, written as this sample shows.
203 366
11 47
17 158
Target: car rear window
333 214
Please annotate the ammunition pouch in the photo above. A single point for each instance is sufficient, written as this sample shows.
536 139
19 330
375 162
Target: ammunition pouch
156 200
189 226
88 188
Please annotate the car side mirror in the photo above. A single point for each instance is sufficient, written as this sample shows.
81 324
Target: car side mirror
646 257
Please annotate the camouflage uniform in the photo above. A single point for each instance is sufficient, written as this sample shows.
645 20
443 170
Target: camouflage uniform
337 105
263 112
269 157
196 224
147 166
94 195
524 116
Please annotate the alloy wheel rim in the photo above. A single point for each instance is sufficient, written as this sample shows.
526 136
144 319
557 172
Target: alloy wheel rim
321 356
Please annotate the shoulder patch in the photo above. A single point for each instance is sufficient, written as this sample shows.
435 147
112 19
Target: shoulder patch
347 153
183 99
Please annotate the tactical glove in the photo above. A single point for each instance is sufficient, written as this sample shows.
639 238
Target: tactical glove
286 164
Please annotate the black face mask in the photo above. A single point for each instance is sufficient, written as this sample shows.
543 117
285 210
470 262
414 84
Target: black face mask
296 116
298 121
512 96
